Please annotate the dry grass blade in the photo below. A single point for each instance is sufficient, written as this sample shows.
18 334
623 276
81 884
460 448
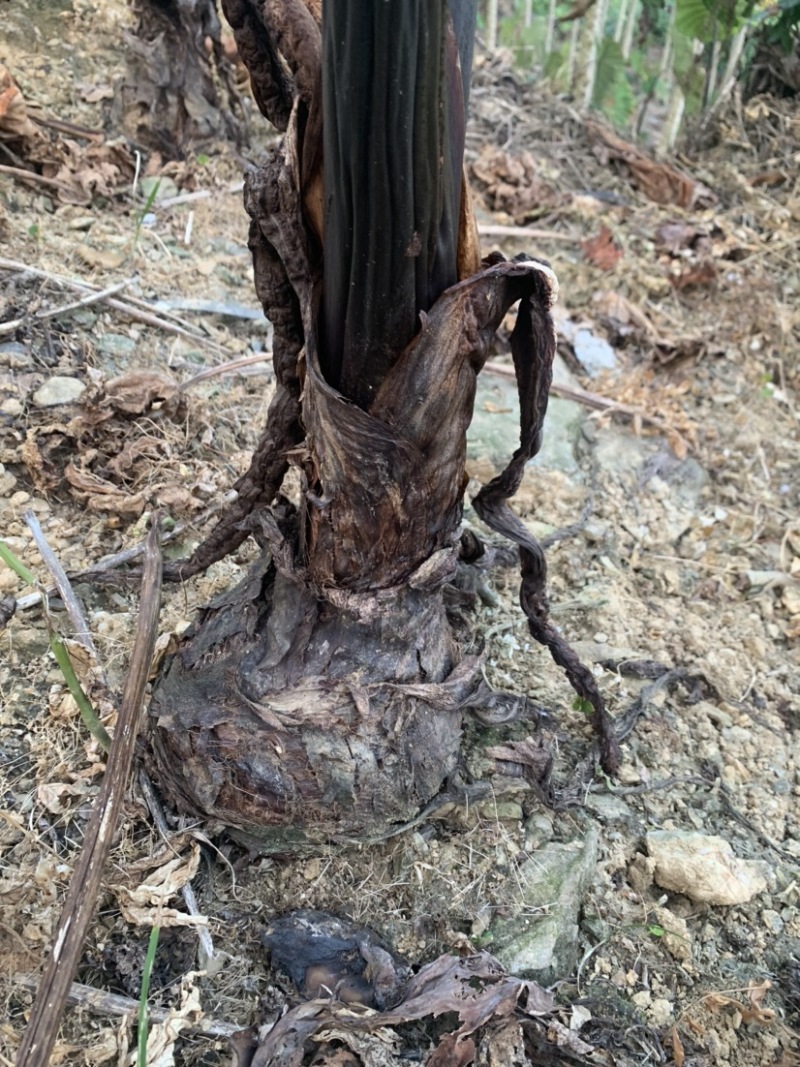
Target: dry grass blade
40 1035
65 590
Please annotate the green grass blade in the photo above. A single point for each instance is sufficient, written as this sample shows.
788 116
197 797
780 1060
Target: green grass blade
93 724
147 970
16 565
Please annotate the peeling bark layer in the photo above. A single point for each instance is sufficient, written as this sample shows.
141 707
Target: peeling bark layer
179 90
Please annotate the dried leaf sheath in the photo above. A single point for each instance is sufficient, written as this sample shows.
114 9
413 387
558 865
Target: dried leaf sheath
299 703
324 695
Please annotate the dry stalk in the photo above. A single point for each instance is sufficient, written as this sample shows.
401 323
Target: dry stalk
65 591
54 988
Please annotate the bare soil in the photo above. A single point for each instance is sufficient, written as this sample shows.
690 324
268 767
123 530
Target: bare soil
690 559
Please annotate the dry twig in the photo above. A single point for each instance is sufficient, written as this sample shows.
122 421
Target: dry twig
201 194
138 310
103 1003
527 233
93 298
225 368
23 175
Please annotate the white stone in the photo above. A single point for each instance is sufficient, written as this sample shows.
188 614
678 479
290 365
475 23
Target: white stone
58 390
703 868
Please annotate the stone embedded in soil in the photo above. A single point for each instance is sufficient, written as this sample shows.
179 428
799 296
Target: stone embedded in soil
554 879
116 344
58 390
494 430
791 597
593 352
7 481
676 937
703 868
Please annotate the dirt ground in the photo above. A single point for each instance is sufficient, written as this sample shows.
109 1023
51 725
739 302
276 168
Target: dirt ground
689 559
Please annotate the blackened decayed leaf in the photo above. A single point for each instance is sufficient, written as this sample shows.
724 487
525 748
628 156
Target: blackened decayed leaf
475 988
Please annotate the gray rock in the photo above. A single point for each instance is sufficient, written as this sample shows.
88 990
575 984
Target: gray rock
538 831
116 344
159 188
593 352
554 880
12 348
494 431
608 807
58 390
622 453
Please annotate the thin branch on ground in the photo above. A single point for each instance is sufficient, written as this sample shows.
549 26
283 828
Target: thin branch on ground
97 1000
138 310
54 313
653 787
23 175
48 1007
63 126
100 570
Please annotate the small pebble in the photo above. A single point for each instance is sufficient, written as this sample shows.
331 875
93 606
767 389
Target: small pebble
58 390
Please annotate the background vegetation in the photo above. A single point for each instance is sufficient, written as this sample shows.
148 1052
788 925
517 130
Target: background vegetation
654 68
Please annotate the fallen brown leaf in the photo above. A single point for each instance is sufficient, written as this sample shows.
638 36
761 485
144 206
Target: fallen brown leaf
601 250
703 274
678 1053
136 391
659 182
14 120
102 495
677 234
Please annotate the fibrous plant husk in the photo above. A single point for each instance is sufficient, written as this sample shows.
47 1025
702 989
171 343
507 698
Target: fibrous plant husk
324 695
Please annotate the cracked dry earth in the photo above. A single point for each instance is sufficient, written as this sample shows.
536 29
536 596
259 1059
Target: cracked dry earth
681 589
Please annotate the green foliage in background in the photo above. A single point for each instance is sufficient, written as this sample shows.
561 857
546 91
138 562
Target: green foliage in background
687 44
781 25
